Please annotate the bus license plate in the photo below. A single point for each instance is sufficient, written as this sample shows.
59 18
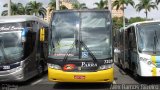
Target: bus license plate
79 77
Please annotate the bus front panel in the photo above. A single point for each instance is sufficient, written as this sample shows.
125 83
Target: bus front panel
81 47
62 76
149 49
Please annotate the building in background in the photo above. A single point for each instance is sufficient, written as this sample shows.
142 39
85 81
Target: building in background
68 4
117 13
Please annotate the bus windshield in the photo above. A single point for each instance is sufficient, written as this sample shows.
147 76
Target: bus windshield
149 37
81 35
11 49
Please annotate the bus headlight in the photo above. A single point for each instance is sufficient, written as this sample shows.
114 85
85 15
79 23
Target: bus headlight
54 66
105 67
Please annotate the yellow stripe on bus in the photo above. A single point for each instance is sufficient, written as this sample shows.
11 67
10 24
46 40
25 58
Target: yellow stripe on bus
154 69
153 58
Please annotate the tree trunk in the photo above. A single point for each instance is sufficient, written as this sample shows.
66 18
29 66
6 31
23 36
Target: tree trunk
146 14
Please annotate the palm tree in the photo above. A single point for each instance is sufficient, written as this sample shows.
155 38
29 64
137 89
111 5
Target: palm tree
52 6
147 5
79 6
157 1
36 8
120 4
63 7
16 9
102 4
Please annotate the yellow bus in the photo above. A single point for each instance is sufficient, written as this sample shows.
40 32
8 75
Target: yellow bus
80 46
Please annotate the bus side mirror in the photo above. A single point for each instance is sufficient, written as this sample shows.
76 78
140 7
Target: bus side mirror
24 34
42 34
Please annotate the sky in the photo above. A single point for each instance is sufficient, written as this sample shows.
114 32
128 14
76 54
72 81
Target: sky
129 11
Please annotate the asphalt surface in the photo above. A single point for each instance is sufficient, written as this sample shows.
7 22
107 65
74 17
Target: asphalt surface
121 79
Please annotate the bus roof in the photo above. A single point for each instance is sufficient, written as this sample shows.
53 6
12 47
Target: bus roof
143 22
20 18
82 10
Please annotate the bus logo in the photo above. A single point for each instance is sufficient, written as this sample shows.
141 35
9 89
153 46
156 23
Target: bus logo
68 67
79 68
84 54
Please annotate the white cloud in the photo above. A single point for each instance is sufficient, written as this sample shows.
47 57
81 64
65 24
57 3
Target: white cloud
131 12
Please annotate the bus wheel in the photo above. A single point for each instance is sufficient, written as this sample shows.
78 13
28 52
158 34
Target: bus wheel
136 76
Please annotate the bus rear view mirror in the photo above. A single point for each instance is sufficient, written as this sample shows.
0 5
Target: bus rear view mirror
23 34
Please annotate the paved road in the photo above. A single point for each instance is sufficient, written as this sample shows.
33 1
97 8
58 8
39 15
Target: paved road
121 77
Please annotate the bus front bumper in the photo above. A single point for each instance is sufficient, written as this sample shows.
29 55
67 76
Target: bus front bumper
12 75
92 77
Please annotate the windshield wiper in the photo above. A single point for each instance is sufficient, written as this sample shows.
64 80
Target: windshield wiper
89 51
68 52
85 46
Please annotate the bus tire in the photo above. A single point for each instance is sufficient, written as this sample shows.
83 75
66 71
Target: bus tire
136 76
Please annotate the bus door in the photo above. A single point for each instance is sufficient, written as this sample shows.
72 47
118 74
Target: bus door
126 49
29 46
121 47
42 47
44 42
131 45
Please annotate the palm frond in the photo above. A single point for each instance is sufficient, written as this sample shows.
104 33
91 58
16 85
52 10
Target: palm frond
4 13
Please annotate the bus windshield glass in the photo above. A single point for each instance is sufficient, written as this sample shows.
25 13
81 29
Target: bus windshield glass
149 37
96 34
81 35
11 49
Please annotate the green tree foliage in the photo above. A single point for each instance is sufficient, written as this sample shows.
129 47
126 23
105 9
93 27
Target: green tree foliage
102 4
157 1
79 6
36 8
52 6
136 19
147 5
63 7
16 9
117 22
120 3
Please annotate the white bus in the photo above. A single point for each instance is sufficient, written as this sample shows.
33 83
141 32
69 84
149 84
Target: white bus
139 46
23 49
